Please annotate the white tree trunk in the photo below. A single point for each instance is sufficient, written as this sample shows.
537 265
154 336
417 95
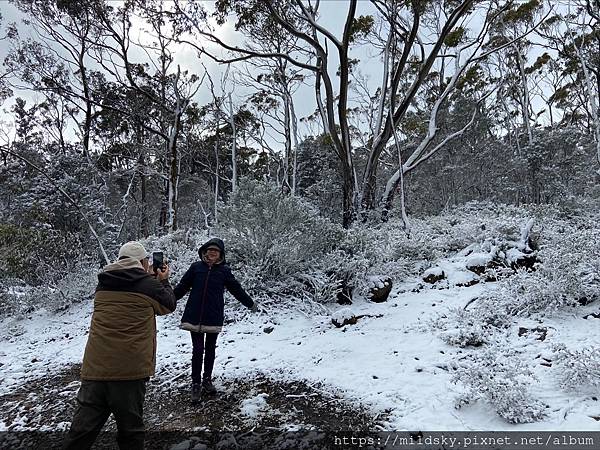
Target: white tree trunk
592 93
294 123
234 174
216 176
525 102
173 178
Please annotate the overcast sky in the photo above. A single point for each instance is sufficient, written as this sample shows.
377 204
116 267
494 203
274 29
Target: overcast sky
333 13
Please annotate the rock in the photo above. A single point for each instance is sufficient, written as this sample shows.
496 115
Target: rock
199 447
227 442
433 275
380 290
541 332
344 317
472 282
519 260
584 301
268 330
478 262
183 445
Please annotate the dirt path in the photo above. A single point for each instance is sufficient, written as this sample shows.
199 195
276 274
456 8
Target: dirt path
257 413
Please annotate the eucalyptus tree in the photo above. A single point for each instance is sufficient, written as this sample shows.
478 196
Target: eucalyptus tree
585 45
55 59
415 38
5 90
169 90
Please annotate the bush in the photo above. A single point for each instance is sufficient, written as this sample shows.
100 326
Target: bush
568 273
578 369
281 246
500 379
276 233
76 286
36 255
473 327
180 249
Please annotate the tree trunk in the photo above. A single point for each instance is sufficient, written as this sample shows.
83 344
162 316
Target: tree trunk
173 182
286 186
348 191
144 228
216 148
524 96
233 148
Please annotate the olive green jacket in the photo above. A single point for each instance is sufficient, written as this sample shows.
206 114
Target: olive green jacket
122 340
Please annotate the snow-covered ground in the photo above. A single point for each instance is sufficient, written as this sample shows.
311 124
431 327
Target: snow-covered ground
390 360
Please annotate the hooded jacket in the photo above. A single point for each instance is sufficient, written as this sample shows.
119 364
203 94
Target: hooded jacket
206 304
122 339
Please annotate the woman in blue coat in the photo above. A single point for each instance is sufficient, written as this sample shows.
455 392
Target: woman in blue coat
204 311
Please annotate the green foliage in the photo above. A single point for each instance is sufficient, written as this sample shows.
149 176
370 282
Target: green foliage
319 176
540 62
454 38
524 12
36 255
361 27
472 80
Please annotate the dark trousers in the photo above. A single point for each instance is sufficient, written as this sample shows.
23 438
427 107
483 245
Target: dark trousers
203 350
96 400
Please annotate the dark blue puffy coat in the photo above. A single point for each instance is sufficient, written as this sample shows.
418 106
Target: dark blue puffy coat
205 305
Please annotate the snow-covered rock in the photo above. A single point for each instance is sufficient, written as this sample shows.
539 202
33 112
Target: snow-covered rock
379 288
342 317
433 275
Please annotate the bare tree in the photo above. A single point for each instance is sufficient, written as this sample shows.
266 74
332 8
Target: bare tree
171 94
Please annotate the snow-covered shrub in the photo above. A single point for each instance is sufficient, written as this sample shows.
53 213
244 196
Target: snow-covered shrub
37 255
475 223
279 234
282 248
76 286
500 379
568 272
577 369
471 327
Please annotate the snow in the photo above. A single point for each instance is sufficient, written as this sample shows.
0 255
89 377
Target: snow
341 315
478 259
41 343
252 407
513 255
391 364
377 281
435 271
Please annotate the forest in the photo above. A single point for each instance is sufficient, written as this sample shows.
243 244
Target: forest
349 153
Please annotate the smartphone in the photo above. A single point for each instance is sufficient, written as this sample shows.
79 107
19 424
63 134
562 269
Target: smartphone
158 260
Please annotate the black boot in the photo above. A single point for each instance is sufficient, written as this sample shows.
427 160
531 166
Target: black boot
208 388
196 392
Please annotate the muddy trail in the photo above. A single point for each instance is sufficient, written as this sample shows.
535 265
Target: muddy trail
256 413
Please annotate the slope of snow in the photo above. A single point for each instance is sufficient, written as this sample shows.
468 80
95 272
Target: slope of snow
388 360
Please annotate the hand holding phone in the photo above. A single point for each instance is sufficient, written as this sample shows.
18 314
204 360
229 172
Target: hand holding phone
158 261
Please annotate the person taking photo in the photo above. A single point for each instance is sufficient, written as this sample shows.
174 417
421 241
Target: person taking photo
120 354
